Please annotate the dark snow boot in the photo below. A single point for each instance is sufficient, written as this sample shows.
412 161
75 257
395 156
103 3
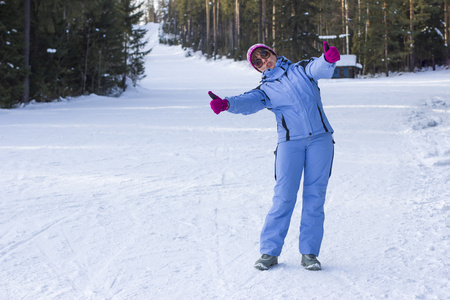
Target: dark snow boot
310 262
265 262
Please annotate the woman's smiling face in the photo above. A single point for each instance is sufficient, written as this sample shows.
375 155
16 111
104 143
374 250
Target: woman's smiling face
263 59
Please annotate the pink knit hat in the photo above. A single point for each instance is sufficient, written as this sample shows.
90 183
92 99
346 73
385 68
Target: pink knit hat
253 48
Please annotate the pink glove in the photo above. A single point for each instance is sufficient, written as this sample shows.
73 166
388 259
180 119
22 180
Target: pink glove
217 104
331 53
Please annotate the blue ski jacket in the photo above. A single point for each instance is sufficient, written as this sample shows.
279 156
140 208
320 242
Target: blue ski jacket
291 92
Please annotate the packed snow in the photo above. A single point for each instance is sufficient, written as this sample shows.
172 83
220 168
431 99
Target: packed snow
152 196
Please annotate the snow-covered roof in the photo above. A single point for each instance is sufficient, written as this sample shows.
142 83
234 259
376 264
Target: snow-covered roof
348 60
332 37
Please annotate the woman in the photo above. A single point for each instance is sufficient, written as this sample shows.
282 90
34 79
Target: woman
305 144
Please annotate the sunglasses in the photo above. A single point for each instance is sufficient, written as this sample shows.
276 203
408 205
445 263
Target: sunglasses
264 54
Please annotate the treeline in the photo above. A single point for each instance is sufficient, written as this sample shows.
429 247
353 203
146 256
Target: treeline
386 35
60 48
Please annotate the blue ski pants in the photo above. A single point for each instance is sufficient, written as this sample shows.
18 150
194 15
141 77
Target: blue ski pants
314 157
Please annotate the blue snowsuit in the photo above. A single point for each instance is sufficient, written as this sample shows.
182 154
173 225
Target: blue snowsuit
305 144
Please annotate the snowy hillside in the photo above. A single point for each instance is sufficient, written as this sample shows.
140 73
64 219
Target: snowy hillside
153 196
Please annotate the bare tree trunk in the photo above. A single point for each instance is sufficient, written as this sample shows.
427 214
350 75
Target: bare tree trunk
238 26
386 61
216 42
208 25
347 42
447 28
188 38
263 20
125 73
150 11
343 23
319 28
273 26
411 35
231 36
86 60
359 28
99 72
215 27
366 36
26 53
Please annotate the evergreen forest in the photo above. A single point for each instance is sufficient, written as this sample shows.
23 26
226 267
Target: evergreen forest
385 35
62 48
51 49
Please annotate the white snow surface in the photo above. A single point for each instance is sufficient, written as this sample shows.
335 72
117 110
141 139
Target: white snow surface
153 196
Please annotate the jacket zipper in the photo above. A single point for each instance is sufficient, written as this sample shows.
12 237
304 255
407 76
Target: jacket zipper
301 103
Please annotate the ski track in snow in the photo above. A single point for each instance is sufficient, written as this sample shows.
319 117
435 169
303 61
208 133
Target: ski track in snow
153 196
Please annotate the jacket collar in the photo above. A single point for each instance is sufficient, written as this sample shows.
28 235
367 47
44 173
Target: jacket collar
280 68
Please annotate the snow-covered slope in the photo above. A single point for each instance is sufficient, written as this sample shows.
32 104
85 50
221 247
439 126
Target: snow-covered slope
153 196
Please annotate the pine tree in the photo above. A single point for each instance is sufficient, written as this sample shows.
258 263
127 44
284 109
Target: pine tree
12 68
136 56
76 47
429 34
297 37
447 28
